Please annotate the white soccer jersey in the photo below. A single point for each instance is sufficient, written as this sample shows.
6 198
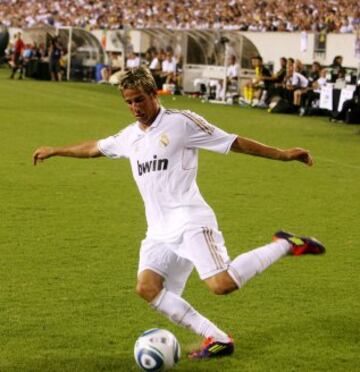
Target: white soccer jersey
164 162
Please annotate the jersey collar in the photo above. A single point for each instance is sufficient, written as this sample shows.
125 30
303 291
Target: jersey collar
156 122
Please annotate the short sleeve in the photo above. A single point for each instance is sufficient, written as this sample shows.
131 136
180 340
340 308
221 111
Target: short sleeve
114 147
203 135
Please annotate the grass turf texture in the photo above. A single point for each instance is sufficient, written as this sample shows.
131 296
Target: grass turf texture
70 232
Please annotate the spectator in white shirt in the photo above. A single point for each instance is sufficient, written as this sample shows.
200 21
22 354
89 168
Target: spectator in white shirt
308 99
132 61
233 70
168 72
294 81
155 66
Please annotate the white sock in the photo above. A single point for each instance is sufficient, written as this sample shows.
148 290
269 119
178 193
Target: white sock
247 265
181 312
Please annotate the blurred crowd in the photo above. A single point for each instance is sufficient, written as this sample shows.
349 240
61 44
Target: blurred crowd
294 84
293 88
296 88
246 15
23 58
165 66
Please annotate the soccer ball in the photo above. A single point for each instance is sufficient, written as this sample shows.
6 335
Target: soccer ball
156 350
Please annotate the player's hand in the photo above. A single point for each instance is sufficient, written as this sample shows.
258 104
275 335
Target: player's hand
42 153
299 154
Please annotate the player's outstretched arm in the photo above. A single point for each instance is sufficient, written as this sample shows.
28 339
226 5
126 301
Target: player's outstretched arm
251 147
84 150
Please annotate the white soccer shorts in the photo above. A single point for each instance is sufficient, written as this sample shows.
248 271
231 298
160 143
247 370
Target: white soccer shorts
202 248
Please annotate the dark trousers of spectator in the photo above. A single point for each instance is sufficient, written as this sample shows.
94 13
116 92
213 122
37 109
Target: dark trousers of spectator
274 91
18 65
308 98
14 70
157 78
284 93
348 105
288 95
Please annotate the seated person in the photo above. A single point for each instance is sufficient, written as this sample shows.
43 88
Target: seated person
294 81
275 82
314 72
232 74
117 62
336 68
132 61
279 76
340 81
300 68
155 65
114 64
254 88
349 105
311 77
37 52
313 93
168 68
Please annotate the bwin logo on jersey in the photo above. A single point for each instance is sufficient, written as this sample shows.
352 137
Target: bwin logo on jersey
152 165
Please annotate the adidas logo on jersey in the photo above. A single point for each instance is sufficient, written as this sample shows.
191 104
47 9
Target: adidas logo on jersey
152 165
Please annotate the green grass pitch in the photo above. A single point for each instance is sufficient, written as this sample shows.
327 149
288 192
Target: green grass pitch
70 232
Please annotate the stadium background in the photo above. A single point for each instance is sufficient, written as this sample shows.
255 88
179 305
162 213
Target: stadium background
70 231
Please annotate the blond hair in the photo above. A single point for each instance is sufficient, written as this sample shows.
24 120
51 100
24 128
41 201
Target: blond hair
138 78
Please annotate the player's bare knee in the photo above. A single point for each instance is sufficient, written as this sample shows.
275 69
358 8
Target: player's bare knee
147 291
149 285
221 284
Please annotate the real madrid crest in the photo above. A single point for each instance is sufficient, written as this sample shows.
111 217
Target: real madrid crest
164 140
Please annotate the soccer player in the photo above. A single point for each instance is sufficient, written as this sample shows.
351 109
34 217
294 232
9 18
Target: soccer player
162 146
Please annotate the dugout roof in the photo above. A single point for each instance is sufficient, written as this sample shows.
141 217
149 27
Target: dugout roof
203 47
85 48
